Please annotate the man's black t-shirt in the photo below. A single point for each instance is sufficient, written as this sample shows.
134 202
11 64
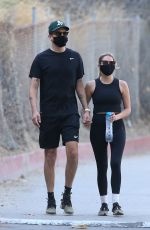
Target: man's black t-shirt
58 74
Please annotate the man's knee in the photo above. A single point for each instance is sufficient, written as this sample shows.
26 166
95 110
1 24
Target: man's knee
50 155
72 152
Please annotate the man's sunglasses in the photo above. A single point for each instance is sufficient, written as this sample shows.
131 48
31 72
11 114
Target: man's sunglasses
58 33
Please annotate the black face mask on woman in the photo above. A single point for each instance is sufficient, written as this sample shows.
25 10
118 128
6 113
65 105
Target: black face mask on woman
107 69
60 41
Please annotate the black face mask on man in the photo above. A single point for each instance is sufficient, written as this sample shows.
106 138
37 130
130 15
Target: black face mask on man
107 69
60 41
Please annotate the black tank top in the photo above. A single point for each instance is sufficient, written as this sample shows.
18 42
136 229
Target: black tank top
107 97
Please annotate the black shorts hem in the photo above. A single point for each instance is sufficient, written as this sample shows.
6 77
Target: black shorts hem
64 143
49 147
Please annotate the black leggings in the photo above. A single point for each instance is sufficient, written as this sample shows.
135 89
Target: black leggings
97 137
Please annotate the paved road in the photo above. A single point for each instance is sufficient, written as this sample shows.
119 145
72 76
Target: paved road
25 198
47 227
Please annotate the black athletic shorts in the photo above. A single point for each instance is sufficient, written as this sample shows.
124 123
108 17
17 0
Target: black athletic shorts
51 128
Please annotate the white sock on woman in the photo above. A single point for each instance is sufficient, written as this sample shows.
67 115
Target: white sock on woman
104 199
115 198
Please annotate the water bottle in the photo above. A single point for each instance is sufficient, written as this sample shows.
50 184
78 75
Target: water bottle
109 128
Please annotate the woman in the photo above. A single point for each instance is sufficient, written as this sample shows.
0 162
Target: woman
108 95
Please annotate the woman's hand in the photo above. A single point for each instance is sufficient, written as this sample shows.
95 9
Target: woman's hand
113 117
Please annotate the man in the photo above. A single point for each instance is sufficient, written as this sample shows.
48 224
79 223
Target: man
58 71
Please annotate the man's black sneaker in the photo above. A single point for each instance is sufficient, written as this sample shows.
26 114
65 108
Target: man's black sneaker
103 210
66 203
117 211
51 206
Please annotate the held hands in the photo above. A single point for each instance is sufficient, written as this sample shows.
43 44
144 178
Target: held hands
86 118
36 119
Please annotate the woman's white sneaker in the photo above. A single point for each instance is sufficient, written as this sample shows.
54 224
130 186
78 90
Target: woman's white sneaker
103 210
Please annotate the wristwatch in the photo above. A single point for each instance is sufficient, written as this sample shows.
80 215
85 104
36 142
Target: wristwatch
87 110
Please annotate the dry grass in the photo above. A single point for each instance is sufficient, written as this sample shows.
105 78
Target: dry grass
19 12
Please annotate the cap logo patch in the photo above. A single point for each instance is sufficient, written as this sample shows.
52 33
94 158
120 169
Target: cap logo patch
59 23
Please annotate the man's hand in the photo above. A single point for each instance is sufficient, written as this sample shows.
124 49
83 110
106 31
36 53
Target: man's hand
86 118
36 119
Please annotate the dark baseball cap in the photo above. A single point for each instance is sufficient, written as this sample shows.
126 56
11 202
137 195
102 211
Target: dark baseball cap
57 25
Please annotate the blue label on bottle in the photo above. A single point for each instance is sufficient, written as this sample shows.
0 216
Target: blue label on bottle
108 113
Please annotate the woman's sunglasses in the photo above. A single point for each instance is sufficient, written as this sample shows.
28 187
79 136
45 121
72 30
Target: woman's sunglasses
107 63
